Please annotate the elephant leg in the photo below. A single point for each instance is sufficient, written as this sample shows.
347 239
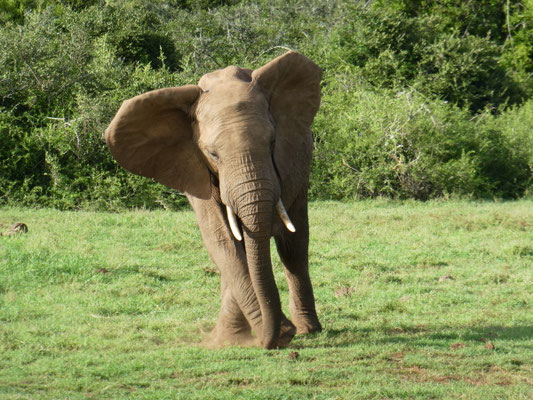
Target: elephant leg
293 250
238 296
232 328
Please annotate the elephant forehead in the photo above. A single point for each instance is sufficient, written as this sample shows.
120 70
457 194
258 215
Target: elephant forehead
234 117
228 74
230 100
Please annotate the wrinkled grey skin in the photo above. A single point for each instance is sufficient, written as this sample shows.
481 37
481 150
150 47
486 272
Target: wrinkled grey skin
240 138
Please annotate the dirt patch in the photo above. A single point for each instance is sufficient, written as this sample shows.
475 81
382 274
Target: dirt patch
397 357
293 355
456 346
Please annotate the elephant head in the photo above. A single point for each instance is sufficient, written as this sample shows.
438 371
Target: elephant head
237 135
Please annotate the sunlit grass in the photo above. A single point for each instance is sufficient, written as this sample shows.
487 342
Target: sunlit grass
417 300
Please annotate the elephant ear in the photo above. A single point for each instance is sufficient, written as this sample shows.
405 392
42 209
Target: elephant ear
292 85
151 135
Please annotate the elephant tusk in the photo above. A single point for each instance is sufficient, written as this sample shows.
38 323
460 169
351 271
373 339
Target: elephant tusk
280 208
232 219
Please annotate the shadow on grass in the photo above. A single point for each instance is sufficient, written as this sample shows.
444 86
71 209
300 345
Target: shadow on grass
130 270
419 336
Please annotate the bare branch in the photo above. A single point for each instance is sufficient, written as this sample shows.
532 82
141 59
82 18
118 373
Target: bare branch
345 163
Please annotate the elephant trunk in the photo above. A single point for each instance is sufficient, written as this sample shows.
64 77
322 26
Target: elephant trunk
255 205
262 277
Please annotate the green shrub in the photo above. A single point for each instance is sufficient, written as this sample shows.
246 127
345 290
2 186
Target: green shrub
19 156
459 17
64 79
419 99
466 72
393 50
405 145
516 125
141 38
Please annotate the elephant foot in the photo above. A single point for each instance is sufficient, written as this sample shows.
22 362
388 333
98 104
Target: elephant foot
231 329
224 337
286 333
307 324
236 332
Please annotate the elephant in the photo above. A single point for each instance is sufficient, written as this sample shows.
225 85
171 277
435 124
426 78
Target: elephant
238 145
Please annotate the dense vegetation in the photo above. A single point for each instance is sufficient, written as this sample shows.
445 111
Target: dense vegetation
421 99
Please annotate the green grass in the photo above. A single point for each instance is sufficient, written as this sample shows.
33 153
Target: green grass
99 305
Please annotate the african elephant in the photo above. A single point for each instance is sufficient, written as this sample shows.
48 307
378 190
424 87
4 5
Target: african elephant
238 145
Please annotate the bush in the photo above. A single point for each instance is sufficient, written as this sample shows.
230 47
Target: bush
419 99
405 145
465 71
516 126
64 79
459 17
394 51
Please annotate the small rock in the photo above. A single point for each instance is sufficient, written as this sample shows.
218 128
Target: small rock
15 229
19 227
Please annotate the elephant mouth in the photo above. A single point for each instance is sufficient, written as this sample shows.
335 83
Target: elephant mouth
280 209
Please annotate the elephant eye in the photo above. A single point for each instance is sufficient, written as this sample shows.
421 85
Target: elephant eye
213 155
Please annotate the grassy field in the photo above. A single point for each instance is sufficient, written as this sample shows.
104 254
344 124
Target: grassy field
418 301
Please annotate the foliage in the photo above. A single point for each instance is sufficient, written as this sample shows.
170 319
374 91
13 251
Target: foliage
417 96
405 145
460 17
393 50
418 301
